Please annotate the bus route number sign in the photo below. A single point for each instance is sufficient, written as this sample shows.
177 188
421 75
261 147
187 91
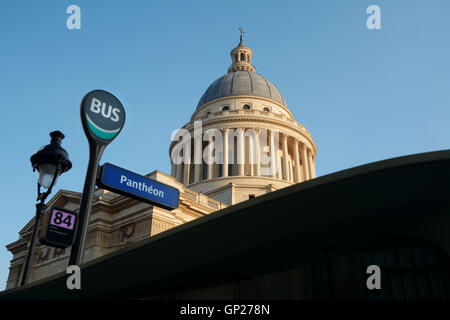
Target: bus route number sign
58 228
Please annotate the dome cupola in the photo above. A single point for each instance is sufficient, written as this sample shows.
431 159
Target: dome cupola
241 57
241 79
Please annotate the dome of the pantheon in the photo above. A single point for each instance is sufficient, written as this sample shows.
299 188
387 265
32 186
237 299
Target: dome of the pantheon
241 82
243 140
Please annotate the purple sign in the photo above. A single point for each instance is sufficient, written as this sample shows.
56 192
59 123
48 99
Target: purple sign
62 219
58 229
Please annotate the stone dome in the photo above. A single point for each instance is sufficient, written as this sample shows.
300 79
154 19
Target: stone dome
248 142
241 83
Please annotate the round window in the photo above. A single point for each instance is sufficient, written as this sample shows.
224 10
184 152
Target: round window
246 107
225 108
266 109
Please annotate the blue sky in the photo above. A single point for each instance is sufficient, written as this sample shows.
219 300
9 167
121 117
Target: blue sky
365 95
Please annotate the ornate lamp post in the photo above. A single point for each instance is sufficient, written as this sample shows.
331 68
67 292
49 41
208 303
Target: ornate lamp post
51 161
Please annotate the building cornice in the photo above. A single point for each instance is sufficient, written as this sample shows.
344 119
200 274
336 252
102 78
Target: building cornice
236 183
241 96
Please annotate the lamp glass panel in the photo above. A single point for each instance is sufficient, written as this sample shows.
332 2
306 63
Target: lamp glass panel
46 173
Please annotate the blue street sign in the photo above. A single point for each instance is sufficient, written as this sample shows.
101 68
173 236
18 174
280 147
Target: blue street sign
135 186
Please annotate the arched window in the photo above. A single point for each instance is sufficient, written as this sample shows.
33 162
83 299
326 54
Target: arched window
242 56
266 109
225 108
236 57
246 107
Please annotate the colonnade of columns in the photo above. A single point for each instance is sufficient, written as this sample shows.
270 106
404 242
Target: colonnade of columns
246 153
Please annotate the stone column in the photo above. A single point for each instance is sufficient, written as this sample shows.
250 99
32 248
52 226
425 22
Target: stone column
313 165
210 164
225 153
179 171
258 154
187 163
279 164
198 158
296 162
305 163
197 172
186 172
241 152
310 164
273 156
285 158
173 172
251 154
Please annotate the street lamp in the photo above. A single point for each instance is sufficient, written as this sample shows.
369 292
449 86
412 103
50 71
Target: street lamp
51 161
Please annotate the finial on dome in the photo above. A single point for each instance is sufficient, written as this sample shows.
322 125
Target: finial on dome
241 43
241 56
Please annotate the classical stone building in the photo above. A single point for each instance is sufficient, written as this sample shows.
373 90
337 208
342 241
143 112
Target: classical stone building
264 149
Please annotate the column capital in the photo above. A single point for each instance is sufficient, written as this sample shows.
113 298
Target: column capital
304 146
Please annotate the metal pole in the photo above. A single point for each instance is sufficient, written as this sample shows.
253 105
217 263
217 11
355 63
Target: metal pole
40 209
77 251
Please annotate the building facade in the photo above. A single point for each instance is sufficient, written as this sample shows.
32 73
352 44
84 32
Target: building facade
115 222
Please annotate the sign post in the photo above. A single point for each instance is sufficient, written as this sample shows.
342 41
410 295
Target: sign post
102 117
